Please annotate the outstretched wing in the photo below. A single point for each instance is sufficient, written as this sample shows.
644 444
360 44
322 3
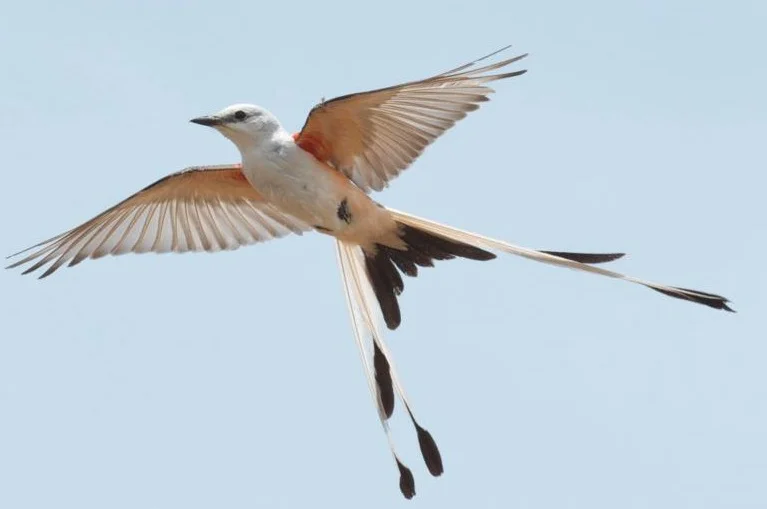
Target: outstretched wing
373 136
198 209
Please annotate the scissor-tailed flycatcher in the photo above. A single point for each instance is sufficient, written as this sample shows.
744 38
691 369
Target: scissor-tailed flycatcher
319 179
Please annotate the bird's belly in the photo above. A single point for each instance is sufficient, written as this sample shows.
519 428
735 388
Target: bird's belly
311 196
321 197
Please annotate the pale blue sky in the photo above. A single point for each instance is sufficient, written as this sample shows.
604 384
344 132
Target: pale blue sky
232 380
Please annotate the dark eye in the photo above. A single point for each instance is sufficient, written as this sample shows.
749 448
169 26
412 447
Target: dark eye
240 115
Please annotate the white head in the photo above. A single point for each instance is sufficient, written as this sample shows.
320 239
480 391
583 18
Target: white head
244 124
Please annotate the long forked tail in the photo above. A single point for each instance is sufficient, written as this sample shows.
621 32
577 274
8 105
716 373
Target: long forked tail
384 264
579 261
372 277
425 241
380 372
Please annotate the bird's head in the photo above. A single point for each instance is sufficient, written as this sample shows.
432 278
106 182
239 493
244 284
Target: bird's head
244 124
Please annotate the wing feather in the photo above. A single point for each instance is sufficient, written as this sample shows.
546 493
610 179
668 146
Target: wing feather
199 209
373 136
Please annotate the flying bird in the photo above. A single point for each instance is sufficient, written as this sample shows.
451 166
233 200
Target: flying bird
320 179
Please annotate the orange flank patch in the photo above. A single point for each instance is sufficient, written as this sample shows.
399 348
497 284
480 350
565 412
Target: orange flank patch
315 145
238 175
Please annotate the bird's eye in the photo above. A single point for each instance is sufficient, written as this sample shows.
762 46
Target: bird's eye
239 115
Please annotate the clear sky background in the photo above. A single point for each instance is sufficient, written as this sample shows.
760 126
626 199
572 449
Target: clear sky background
232 380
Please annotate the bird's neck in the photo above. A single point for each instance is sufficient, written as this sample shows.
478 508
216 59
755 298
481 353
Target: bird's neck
270 147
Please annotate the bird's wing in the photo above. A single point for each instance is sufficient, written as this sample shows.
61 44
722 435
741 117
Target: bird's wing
372 136
198 209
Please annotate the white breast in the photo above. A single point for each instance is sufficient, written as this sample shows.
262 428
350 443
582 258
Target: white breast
292 180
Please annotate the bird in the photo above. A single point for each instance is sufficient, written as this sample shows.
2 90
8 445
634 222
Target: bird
320 179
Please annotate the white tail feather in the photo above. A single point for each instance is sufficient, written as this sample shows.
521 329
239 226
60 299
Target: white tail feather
363 309
356 288
482 241
351 264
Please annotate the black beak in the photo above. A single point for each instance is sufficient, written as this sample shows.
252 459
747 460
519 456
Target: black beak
207 121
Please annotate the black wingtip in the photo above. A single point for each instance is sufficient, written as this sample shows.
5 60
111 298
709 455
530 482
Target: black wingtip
590 258
711 300
430 451
406 481
512 74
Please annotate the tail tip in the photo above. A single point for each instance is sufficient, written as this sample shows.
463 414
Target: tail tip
406 480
